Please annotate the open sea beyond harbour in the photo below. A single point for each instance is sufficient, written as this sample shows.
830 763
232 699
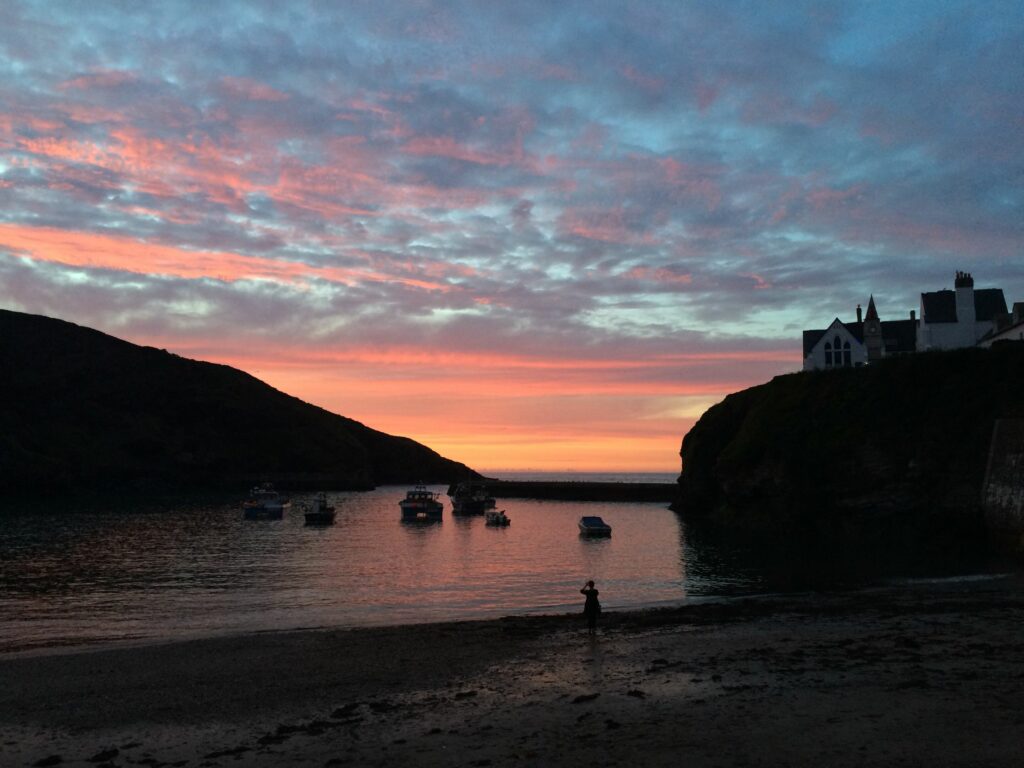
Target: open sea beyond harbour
99 576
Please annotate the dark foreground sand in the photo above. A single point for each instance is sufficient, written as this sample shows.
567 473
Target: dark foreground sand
929 675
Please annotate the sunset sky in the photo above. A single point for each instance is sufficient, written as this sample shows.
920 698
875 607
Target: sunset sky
528 234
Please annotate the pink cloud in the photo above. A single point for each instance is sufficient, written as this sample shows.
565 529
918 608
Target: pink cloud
443 146
645 82
100 79
244 88
606 225
104 251
659 275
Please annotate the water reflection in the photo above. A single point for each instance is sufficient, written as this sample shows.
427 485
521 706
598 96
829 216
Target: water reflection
188 569
720 563
199 569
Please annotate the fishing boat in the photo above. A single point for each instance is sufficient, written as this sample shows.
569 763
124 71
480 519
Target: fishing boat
471 499
496 517
421 504
319 512
592 525
264 503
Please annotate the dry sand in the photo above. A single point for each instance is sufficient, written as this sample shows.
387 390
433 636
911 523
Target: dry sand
929 675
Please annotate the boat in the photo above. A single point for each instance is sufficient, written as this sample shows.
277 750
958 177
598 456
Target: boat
421 504
319 512
264 503
496 517
592 525
471 499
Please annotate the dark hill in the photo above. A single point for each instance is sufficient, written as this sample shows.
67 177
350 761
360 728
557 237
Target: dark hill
81 410
892 450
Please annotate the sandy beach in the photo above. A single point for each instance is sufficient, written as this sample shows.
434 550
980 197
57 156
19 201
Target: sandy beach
924 674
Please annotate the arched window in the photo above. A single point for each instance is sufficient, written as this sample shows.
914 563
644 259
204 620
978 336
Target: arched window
828 355
847 355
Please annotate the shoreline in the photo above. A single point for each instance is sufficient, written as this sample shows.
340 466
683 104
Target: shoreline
100 645
930 672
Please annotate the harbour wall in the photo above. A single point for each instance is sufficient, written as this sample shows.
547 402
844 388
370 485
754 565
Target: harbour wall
1003 493
581 491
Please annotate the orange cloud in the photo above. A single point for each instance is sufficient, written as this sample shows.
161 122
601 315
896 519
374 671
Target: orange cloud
102 251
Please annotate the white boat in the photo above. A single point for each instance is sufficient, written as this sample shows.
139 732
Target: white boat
265 503
496 517
319 512
592 525
421 504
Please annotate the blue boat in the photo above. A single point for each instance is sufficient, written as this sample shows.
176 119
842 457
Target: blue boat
592 525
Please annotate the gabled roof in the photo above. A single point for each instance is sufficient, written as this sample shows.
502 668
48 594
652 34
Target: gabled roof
940 306
989 302
811 338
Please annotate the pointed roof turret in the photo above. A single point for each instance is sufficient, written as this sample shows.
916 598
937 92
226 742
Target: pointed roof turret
872 312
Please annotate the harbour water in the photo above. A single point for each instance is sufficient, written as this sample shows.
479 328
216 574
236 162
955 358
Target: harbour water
100 576
97 576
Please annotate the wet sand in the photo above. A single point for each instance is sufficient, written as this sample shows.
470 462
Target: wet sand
929 675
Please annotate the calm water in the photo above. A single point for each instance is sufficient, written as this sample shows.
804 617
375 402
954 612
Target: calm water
121 575
102 576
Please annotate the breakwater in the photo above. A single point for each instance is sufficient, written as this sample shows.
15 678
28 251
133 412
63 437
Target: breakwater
1003 495
580 491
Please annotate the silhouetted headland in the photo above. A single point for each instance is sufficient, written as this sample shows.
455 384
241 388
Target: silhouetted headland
83 411
922 449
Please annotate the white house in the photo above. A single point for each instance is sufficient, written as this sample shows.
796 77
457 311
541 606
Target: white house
1008 327
844 345
962 317
959 318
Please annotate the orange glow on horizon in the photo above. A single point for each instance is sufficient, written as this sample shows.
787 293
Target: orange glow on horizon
514 411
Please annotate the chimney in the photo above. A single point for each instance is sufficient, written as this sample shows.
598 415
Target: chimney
913 315
859 318
964 298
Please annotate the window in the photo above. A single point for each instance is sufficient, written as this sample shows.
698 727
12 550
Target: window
838 354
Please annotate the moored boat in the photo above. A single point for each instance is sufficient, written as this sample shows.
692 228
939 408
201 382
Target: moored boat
592 525
319 512
471 499
421 504
496 517
265 503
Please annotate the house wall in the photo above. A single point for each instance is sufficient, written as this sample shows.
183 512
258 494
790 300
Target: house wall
950 335
965 332
816 359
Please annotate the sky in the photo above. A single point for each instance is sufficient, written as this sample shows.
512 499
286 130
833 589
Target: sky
530 235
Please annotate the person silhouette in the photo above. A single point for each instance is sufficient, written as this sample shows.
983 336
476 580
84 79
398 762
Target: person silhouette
591 608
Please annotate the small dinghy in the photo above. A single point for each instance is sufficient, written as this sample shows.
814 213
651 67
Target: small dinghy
496 517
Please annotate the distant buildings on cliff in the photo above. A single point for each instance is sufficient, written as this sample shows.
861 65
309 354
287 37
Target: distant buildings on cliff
963 317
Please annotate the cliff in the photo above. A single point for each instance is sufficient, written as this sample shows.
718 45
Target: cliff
81 410
893 450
